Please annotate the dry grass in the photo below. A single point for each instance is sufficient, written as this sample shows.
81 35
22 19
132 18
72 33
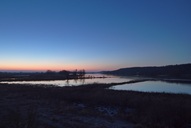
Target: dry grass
156 110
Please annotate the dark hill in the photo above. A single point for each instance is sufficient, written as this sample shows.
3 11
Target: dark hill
173 71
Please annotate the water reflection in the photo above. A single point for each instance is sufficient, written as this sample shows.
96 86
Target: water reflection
147 86
95 78
156 86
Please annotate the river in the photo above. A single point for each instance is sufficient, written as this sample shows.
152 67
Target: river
146 86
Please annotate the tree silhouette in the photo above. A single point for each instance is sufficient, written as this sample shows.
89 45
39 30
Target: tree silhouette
65 73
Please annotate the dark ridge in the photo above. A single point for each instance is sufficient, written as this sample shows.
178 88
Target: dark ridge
169 71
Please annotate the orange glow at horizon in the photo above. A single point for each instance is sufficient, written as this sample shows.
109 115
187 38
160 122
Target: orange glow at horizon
42 67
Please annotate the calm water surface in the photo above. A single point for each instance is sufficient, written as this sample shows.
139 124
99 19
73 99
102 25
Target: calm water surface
147 86
108 79
156 86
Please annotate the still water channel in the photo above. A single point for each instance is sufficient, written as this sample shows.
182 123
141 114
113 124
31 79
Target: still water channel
93 78
156 86
146 86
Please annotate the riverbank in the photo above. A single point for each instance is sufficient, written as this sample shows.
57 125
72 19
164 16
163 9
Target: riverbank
90 106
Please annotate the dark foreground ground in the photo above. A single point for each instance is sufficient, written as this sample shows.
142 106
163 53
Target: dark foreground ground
26 106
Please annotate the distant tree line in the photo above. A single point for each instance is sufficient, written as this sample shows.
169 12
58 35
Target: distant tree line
173 71
48 75
68 74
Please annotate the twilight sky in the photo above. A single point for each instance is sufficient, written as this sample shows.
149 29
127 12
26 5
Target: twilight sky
93 34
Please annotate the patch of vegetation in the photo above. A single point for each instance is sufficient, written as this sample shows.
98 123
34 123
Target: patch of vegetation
48 75
182 71
150 110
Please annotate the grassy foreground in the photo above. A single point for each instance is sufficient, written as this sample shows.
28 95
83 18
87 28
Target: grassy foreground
72 106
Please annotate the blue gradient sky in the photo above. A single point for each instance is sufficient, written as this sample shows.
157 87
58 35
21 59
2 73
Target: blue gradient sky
93 34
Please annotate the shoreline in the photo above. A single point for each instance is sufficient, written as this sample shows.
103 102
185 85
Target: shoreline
54 106
136 79
47 79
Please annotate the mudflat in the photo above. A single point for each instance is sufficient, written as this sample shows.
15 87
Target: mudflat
35 106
